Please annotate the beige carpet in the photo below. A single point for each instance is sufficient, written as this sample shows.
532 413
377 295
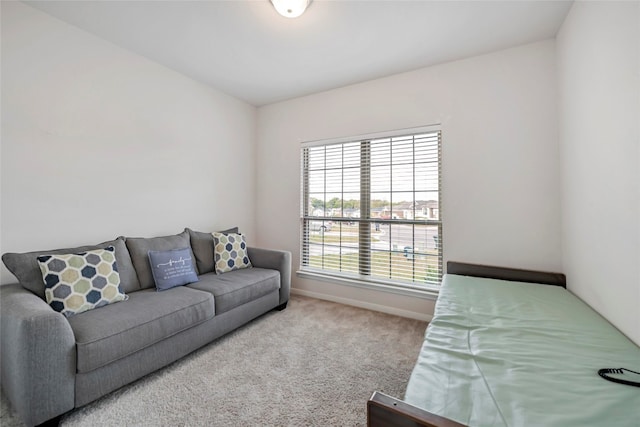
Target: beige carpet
314 364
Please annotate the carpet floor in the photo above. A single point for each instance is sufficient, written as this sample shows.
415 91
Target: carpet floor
314 364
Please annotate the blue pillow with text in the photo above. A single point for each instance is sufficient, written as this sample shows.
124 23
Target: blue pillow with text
172 268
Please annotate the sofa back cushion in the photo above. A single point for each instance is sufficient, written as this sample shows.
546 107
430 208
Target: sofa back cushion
202 245
26 269
139 249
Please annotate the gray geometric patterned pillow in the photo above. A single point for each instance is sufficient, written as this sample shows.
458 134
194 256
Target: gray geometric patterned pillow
75 283
230 252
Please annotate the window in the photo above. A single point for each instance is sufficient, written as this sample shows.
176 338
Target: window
370 208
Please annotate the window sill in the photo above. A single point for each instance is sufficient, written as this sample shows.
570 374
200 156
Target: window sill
430 293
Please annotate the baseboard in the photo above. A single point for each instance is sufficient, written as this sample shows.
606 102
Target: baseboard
361 304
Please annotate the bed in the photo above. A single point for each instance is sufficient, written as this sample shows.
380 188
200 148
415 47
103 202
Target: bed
510 348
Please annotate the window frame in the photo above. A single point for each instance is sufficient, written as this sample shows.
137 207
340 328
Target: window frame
426 290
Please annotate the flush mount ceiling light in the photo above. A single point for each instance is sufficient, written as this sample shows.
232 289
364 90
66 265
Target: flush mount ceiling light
290 8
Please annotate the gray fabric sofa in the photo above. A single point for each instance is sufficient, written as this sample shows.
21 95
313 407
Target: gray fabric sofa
51 364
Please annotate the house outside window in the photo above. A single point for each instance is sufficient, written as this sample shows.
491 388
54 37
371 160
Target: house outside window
370 209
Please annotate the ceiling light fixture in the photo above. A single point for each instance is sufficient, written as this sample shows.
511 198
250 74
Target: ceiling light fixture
290 8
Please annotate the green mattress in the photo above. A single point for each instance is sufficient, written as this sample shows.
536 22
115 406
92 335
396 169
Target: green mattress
501 353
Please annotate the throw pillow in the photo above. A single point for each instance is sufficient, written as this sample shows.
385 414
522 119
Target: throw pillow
202 247
172 268
81 281
230 252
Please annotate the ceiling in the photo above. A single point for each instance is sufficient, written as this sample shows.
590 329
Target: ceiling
245 49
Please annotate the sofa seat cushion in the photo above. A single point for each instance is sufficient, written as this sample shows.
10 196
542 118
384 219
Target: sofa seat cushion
147 317
238 287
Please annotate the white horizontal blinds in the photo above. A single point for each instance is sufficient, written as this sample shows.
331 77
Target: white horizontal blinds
370 209
404 192
332 200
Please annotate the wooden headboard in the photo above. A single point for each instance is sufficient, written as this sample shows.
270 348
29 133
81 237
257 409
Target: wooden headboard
503 273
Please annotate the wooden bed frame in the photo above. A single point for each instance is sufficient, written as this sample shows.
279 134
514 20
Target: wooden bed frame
387 411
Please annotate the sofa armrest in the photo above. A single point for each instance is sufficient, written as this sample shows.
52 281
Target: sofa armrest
277 260
38 356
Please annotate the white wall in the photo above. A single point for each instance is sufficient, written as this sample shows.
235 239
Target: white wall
599 92
99 142
501 200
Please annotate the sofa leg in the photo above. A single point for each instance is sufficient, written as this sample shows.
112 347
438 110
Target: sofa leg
53 422
282 306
